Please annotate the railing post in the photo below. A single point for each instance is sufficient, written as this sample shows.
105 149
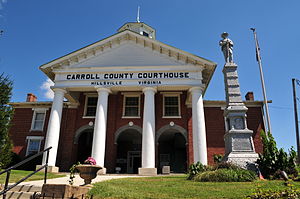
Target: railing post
46 168
6 183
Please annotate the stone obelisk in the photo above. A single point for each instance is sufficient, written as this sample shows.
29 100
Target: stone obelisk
239 147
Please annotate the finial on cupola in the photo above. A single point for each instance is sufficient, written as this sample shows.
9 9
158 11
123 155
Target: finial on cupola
138 15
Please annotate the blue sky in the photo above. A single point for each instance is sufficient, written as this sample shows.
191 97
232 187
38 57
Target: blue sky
36 32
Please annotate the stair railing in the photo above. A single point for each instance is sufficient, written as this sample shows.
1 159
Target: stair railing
8 171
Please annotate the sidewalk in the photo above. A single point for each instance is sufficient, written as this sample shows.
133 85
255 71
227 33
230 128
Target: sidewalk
78 180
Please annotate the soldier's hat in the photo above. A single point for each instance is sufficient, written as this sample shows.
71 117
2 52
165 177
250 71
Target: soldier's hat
224 34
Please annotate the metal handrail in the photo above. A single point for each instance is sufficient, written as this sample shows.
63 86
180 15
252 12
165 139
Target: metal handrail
8 171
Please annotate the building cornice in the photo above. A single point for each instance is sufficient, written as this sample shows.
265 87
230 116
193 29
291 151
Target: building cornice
95 49
46 104
207 103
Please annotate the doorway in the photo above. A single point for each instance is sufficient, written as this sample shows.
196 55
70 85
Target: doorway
85 142
129 145
172 151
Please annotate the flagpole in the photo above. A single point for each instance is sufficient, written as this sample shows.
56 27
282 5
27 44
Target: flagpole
262 80
296 117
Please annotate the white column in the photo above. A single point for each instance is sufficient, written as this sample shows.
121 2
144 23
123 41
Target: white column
99 138
148 140
52 137
199 132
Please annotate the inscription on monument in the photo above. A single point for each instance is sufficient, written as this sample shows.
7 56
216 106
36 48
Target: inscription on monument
241 144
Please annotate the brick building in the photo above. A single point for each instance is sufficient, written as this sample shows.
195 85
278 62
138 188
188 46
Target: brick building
131 102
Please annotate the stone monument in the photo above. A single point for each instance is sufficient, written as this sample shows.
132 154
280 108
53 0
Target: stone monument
239 147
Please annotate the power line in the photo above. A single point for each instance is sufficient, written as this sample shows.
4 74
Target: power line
281 107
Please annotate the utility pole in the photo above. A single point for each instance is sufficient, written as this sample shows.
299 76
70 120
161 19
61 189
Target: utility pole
258 58
296 116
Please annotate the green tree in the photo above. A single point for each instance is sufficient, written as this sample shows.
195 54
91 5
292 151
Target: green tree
274 160
6 113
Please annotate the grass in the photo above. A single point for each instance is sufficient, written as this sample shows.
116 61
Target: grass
178 187
19 174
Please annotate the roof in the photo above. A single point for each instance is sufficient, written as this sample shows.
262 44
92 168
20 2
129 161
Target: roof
100 46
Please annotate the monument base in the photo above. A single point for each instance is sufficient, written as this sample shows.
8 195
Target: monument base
102 171
147 171
239 148
240 141
51 169
245 160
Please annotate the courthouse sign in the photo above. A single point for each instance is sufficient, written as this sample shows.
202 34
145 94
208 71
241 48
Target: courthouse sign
129 78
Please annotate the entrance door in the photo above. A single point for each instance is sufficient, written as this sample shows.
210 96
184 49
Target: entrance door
129 151
85 145
133 161
172 151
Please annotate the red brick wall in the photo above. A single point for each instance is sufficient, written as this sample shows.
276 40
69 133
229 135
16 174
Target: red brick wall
20 129
72 120
215 130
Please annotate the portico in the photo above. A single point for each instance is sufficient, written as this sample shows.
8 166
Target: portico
144 70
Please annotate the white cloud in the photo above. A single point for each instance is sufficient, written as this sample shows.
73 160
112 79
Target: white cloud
2 2
48 93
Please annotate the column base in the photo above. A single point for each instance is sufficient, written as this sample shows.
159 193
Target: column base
148 171
102 171
51 169
242 159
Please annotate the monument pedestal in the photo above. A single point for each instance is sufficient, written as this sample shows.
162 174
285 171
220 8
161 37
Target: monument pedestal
239 147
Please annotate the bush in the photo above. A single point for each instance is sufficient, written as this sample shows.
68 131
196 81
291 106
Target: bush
225 165
226 175
290 193
218 158
273 160
194 169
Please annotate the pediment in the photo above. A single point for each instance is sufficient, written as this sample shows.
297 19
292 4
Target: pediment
128 49
127 54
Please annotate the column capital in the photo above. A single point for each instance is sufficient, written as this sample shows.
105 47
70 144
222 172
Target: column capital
197 89
63 90
149 89
100 89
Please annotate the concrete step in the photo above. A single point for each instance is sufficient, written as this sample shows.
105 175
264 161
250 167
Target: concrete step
24 192
27 188
20 195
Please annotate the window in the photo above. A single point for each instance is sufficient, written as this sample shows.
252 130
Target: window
145 34
33 144
131 106
91 106
38 119
171 105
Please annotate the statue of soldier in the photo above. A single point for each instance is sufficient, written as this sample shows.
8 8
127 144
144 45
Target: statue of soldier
226 47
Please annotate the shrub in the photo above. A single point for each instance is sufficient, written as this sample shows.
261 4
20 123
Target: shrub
218 158
194 169
226 175
290 193
225 165
272 159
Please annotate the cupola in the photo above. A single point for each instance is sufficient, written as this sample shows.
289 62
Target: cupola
140 28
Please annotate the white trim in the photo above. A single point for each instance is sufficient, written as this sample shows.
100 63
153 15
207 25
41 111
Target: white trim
34 137
172 94
88 117
131 94
35 111
172 116
40 109
29 138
